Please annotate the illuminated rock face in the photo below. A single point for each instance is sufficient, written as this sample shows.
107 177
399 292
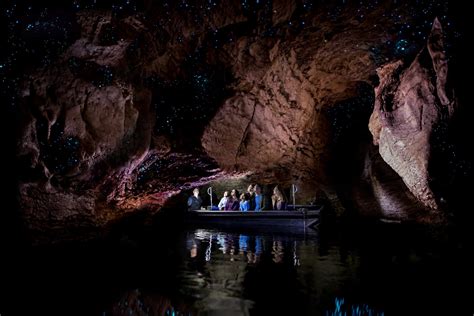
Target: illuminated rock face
141 107
411 103
85 130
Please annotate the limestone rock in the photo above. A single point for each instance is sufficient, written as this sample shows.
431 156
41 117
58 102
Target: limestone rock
410 103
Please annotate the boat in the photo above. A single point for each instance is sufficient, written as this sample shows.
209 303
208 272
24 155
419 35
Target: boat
300 217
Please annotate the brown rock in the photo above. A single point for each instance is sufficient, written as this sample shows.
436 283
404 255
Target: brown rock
88 135
276 123
381 193
409 104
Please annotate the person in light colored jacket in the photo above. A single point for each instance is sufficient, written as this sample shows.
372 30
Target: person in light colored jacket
223 201
278 199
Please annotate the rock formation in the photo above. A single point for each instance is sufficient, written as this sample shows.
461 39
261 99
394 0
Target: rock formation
144 105
410 104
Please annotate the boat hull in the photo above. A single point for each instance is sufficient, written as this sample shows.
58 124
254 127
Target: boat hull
263 219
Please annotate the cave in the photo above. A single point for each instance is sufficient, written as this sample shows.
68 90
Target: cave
115 111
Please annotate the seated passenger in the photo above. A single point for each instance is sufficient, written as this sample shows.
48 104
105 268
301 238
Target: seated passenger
250 196
278 199
194 201
244 203
258 198
224 200
233 202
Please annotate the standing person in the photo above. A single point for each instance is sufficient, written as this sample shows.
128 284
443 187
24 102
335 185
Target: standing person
278 199
233 202
224 200
194 201
258 198
250 196
244 203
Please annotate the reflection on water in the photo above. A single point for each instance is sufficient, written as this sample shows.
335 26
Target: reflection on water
224 245
222 273
214 271
372 270
230 274
343 309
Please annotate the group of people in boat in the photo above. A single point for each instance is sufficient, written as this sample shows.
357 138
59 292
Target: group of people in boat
252 200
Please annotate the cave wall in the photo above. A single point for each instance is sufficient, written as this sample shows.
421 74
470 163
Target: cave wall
84 128
411 104
146 103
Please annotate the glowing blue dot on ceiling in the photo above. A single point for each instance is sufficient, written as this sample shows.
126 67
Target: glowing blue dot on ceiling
401 46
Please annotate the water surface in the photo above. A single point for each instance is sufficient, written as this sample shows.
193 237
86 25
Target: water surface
376 269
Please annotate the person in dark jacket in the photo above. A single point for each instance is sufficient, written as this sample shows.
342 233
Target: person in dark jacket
233 202
194 201
250 196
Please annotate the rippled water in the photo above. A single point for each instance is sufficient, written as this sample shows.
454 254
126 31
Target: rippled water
370 270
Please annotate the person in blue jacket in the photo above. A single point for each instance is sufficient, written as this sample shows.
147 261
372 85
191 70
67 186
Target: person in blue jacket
258 198
244 203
